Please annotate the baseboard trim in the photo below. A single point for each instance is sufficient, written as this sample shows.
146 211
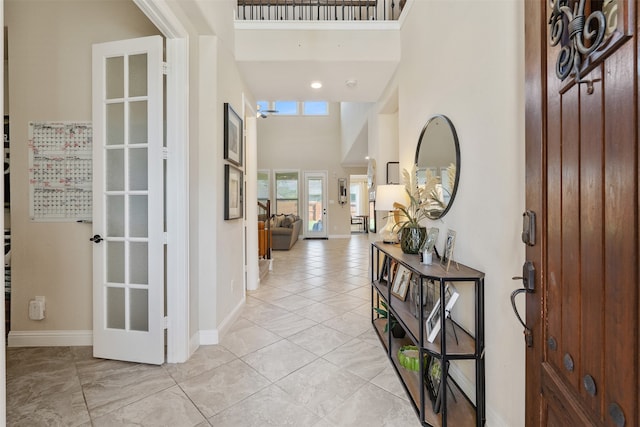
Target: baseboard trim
232 317
50 338
339 236
212 336
208 337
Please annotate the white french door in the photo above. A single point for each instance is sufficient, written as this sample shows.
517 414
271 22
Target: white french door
315 206
128 201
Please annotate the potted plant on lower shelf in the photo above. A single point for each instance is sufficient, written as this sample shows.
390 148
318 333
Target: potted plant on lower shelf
396 329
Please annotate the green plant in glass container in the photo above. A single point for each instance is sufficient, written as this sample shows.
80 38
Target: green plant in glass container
412 233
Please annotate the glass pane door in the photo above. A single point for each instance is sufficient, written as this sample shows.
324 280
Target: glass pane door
315 205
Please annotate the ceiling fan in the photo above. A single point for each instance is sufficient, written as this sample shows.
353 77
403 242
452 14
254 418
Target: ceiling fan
265 113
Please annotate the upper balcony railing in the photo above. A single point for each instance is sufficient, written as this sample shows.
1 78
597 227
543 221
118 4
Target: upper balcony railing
319 10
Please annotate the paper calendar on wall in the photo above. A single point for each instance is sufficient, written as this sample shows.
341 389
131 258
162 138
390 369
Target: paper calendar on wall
60 171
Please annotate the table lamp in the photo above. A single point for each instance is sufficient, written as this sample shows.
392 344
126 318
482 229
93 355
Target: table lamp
386 196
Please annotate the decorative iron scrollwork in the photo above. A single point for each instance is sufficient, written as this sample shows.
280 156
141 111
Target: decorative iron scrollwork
582 35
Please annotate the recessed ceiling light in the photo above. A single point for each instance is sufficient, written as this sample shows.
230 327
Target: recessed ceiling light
316 85
351 83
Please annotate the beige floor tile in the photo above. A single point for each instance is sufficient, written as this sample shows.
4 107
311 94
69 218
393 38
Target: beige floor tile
319 339
123 387
169 407
288 325
349 323
279 359
269 407
222 387
372 406
204 359
321 386
247 340
359 358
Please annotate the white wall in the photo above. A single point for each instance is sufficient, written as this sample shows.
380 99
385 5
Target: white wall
478 84
312 144
50 79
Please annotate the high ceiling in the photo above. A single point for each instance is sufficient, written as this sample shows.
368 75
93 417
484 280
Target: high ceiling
354 63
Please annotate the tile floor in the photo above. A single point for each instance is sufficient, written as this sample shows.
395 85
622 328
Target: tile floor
302 354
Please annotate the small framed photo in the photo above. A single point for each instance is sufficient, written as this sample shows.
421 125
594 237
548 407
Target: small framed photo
434 383
401 283
447 254
232 135
393 172
233 203
388 271
433 321
382 266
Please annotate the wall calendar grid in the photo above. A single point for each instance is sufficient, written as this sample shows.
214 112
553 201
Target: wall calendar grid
60 171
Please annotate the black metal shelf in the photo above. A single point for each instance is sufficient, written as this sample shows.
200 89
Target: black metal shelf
457 409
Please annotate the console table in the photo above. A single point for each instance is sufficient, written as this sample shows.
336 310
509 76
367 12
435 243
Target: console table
439 390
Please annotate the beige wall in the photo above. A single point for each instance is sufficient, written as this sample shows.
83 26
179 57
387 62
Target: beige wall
479 86
50 79
229 234
308 144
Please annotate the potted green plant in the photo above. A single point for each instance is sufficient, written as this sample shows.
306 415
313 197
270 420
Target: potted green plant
396 329
412 233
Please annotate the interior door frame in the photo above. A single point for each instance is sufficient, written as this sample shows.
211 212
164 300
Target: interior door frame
325 205
179 346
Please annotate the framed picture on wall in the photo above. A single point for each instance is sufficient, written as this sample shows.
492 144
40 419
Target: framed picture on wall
233 203
393 172
232 136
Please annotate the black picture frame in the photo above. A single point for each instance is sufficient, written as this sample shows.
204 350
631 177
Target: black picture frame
233 193
433 380
393 172
233 139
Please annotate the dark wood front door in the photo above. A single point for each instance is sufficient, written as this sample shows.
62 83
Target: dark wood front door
582 181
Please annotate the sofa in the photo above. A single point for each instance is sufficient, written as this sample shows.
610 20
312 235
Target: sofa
284 231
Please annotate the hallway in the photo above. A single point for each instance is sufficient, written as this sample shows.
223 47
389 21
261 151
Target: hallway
303 353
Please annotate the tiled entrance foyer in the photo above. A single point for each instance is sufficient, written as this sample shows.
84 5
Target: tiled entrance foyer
302 354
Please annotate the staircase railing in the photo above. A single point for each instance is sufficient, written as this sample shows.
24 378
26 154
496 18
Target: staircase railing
264 234
320 10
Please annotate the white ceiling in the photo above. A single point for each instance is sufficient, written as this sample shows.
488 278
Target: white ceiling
279 60
354 62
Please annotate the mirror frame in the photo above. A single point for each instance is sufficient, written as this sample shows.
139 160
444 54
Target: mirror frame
457 148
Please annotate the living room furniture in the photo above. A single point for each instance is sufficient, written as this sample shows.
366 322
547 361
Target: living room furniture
463 403
285 230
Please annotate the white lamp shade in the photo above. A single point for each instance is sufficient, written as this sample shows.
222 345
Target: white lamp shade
387 195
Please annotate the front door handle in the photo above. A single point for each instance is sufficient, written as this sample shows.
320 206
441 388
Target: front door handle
96 238
528 280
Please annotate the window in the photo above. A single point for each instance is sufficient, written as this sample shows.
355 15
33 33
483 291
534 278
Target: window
286 108
263 106
294 108
263 186
315 108
286 192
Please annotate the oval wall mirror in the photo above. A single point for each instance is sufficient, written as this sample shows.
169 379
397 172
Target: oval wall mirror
438 164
